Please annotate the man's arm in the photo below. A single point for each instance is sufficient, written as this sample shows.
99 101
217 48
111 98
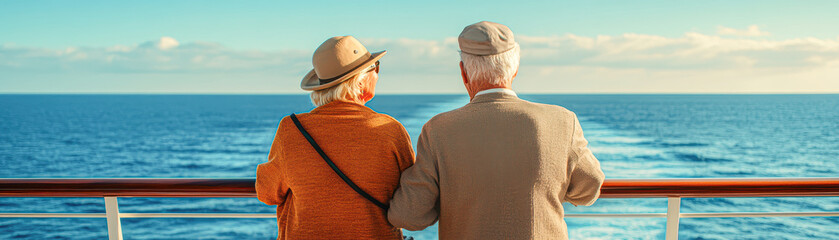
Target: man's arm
415 204
584 174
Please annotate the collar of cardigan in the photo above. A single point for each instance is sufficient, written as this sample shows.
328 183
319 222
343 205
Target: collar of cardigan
494 97
341 106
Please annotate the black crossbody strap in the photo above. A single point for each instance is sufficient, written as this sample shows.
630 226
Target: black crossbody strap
332 165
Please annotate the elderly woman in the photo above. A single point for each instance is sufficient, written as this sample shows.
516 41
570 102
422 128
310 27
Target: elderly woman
370 149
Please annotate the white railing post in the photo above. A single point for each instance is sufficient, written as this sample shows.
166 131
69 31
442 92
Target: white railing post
112 214
673 205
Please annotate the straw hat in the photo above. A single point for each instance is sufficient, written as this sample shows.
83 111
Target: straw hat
336 60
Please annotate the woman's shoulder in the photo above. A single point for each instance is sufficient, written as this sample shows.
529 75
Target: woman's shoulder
387 120
388 125
287 124
374 123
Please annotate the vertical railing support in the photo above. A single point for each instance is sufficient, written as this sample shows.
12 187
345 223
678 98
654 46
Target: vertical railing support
673 212
112 214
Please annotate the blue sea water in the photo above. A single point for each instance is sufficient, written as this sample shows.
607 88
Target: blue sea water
222 136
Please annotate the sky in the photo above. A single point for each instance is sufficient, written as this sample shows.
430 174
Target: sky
567 46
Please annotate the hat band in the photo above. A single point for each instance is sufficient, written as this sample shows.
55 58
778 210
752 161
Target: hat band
328 80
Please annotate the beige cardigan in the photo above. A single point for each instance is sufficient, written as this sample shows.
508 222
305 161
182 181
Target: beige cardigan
497 168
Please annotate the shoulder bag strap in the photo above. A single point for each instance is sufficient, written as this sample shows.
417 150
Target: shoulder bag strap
332 165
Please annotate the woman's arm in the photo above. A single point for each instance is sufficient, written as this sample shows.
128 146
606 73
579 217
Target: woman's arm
271 188
269 184
405 152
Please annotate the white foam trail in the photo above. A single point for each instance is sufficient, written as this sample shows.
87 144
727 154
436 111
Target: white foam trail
414 124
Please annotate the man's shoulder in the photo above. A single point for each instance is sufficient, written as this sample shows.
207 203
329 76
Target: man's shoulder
548 109
444 117
469 111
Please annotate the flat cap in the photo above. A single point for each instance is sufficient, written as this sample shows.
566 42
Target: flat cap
486 38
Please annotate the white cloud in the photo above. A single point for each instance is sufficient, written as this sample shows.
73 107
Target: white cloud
166 43
630 62
118 48
162 56
691 51
751 31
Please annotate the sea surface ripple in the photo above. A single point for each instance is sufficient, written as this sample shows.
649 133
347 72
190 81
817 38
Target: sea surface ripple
226 136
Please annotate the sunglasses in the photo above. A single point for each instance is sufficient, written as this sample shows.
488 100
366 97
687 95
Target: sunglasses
374 67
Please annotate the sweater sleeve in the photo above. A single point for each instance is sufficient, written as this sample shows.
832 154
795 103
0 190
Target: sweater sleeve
416 203
405 152
271 187
584 174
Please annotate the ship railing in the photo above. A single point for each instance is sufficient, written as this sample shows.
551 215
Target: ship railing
671 189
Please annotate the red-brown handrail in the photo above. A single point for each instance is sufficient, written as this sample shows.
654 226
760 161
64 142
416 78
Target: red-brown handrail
244 187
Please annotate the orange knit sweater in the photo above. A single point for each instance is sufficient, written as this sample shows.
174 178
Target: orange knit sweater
372 149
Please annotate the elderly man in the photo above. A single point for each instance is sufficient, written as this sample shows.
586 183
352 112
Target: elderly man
498 167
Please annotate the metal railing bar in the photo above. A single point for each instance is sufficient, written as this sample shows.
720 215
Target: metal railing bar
244 187
139 215
616 215
271 215
264 215
52 215
197 215
760 214
113 217
673 189
672 218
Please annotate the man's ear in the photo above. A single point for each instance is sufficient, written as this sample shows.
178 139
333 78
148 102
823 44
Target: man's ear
463 74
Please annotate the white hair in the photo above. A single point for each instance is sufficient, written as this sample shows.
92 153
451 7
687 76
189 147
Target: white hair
348 91
493 69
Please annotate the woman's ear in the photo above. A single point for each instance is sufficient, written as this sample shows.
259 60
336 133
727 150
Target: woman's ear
362 82
367 88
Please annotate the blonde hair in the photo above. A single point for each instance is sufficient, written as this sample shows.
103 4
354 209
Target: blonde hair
493 69
348 91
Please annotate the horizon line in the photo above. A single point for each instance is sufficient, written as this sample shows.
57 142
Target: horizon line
425 93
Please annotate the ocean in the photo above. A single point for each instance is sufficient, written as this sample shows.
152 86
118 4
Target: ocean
226 136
